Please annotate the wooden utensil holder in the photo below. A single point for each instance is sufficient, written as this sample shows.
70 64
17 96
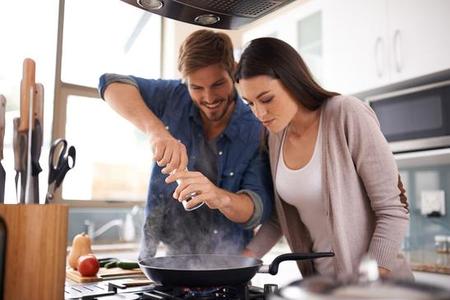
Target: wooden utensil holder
35 251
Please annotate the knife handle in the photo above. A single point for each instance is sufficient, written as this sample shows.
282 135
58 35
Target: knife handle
38 104
2 123
27 87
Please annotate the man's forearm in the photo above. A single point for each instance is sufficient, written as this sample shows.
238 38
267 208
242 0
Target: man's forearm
126 100
237 207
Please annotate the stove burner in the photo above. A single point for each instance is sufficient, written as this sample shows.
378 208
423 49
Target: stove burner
212 293
115 290
228 292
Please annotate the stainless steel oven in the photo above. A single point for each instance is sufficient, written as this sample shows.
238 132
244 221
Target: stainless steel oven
416 118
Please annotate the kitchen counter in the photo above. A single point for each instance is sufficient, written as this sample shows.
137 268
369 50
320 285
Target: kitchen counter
429 261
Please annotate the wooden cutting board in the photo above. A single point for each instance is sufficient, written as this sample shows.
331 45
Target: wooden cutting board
103 274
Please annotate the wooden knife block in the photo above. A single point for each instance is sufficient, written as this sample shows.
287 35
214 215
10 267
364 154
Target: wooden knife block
35 251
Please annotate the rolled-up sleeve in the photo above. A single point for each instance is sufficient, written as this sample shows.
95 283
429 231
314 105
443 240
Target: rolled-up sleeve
108 78
258 205
257 183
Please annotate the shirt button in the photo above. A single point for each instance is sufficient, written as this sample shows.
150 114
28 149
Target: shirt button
215 231
231 173
220 152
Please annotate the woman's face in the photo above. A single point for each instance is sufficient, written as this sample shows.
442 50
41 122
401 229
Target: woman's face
269 100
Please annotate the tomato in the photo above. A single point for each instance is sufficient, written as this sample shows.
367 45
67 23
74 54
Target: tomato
88 265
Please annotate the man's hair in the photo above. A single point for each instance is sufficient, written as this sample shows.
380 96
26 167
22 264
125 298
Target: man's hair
203 48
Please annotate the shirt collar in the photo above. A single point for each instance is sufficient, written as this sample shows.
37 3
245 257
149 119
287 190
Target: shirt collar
233 128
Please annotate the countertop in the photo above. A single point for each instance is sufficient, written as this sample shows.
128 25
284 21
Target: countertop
420 260
429 261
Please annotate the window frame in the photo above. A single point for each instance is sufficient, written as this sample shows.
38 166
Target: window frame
62 92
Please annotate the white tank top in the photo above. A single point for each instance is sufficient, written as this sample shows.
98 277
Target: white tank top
302 188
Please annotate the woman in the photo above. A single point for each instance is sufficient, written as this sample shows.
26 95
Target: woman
337 184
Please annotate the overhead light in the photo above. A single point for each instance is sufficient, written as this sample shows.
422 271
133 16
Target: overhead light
151 4
208 19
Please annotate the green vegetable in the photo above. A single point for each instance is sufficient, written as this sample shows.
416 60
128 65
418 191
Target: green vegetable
104 261
127 265
111 264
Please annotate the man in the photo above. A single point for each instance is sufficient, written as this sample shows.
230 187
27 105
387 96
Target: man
205 138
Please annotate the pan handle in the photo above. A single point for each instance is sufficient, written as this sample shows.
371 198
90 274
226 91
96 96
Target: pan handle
273 267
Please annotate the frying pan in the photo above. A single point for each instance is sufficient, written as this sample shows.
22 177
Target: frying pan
213 270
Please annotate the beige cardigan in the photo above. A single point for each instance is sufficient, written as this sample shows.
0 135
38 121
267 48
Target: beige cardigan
361 194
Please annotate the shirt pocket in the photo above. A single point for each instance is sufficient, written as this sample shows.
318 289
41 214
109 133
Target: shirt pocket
231 179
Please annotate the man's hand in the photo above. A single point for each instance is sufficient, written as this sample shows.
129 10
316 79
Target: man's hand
190 182
169 153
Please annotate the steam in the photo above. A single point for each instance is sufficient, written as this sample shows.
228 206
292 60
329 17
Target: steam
200 232
201 262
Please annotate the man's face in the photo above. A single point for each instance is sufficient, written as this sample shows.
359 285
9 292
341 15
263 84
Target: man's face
212 90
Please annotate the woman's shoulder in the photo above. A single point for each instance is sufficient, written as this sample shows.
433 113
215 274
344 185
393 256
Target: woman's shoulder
345 102
345 105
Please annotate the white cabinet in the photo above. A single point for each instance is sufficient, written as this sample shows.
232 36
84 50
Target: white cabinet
367 44
300 25
420 35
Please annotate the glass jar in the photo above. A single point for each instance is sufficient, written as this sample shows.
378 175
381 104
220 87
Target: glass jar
440 243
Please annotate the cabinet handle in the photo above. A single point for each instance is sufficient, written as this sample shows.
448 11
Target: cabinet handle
378 58
397 51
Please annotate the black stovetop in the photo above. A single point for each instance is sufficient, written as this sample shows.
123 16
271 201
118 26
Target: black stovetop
121 289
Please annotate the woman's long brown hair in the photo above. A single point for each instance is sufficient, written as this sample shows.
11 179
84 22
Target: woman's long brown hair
277 59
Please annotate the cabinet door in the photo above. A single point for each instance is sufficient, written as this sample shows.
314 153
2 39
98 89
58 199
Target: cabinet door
420 37
300 26
354 45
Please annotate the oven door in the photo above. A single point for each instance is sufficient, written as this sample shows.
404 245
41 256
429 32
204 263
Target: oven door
416 118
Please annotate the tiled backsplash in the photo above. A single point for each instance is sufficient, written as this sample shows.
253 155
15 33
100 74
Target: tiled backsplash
422 184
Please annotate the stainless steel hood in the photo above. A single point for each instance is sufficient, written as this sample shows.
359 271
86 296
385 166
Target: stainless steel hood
223 14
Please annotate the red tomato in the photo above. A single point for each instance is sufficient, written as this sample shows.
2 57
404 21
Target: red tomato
88 265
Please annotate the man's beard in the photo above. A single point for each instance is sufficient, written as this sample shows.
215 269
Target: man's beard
225 106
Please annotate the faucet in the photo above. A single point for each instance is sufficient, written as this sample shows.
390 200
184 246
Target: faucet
94 234
126 228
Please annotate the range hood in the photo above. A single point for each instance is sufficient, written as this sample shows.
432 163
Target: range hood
223 14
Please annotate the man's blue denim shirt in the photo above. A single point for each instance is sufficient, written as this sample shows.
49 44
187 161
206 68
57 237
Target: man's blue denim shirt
242 166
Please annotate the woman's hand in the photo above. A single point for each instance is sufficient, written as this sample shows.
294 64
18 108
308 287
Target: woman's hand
247 252
383 272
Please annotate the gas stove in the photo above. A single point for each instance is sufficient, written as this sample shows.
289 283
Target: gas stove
144 289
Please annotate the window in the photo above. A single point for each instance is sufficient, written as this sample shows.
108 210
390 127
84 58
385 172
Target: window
108 36
27 29
113 158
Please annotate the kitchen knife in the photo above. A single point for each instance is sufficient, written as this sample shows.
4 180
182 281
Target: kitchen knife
2 135
36 141
27 95
20 155
27 87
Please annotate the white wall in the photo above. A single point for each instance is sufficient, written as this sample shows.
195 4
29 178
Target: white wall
174 33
